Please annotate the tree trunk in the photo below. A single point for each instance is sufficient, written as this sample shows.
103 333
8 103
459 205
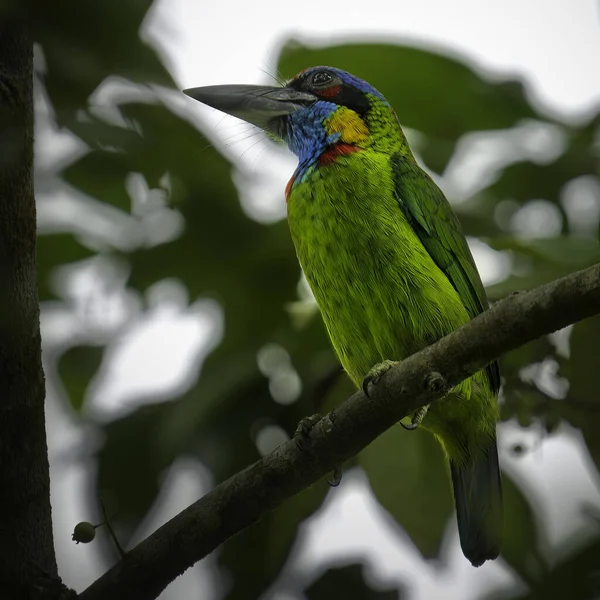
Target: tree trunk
27 560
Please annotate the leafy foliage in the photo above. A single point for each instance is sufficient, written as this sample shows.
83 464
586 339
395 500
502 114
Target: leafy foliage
250 270
408 474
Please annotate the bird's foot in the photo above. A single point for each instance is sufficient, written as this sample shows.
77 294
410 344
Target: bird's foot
417 418
302 433
301 436
375 374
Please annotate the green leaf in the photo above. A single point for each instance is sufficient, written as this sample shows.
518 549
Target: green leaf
567 251
255 556
76 367
581 370
521 540
523 399
222 251
525 181
348 582
138 448
542 260
409 476
435 152
53 250
575 578
85 43
102 176
582 367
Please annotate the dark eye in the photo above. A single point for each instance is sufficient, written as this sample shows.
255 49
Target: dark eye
321 78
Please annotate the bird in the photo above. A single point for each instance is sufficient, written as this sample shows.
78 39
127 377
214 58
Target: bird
387 261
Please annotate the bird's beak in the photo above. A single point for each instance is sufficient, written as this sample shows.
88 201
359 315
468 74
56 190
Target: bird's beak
263 106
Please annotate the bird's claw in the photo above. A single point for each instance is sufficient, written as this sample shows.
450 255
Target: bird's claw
302 432
375 374
336 477
417 418
301 436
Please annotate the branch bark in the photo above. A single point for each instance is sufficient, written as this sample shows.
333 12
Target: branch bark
422 378
27 561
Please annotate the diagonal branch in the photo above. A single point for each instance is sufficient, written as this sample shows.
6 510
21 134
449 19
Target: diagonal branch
241 500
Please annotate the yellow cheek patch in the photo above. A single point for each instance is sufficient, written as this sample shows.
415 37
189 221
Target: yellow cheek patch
348 124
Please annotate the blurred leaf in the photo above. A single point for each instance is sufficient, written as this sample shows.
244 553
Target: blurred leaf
572 252
222 251
476 217
84 43
76 367
349 583
581 370
131 465
525 181
256 555
139 447
53 250
408 474
576 578
584 361
521 540
249 268
522 399
534 352
542 260
229 412
100 134
435 152
224 436
101 175
412 79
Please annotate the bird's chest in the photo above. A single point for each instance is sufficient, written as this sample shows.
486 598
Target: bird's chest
345 232
365 265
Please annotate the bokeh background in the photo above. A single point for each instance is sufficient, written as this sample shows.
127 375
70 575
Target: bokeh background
181 343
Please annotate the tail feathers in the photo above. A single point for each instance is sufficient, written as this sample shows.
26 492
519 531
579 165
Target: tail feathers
478 498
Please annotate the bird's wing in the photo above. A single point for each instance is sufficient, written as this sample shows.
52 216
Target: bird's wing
439 230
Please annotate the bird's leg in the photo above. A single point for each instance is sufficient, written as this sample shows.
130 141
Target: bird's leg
417 418
375 374
301 436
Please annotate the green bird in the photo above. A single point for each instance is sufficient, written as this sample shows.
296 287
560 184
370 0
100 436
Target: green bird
386 259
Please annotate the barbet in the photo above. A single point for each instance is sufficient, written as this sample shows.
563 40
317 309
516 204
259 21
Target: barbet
386 259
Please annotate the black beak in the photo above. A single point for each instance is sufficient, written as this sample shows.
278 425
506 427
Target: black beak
262 106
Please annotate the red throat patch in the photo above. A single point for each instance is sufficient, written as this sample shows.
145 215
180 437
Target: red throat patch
340 149
327 158
288 187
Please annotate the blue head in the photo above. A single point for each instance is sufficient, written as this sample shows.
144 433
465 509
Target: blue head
321 113
338 115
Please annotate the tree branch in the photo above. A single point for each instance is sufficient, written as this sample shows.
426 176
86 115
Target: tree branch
241 500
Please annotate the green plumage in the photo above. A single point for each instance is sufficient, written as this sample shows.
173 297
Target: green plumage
386 260
380 290
391 271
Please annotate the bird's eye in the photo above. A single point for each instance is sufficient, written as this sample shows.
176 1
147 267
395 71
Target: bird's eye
321 78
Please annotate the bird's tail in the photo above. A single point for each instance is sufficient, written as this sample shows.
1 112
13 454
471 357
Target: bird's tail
478 498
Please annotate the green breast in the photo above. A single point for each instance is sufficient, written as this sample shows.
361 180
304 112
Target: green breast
380 293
